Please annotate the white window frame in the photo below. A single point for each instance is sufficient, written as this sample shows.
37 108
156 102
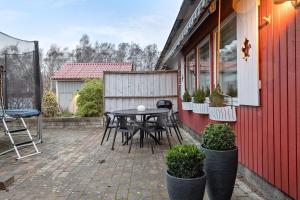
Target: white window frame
215 70
203 41
186 68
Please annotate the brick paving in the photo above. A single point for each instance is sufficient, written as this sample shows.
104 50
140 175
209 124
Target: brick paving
73 165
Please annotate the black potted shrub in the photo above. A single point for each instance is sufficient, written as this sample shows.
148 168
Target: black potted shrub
185 177
221 160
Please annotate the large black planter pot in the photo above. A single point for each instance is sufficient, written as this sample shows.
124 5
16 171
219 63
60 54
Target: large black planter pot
220 168
185 189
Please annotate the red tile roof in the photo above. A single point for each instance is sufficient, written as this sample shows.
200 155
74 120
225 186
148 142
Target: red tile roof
89 70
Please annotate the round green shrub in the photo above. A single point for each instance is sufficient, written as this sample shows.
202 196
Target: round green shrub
90 101
187 96
199 96
218 137
49 105
185 161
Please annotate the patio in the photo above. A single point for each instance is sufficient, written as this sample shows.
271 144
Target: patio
76 167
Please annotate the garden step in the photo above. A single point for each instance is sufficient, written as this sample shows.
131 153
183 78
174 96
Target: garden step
6 181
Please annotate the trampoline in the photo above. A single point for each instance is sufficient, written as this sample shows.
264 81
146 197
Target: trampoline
24 113
20 90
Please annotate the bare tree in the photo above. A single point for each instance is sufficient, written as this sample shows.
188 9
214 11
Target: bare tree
104 52
136 56
122 53
84 52
150 57
53 61
142 59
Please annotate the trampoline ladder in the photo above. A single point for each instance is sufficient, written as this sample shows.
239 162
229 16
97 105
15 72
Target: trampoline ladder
22 144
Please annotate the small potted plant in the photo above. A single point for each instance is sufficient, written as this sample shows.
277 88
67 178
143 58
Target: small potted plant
221 160
199 104
185 177
218 110
187 101
207 91
231 91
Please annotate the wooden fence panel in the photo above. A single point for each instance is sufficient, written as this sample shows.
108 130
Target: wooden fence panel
127 90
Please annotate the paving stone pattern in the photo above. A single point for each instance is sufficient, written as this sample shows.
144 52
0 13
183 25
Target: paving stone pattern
73 165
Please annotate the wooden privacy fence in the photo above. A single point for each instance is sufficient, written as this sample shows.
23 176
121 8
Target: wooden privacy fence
127 90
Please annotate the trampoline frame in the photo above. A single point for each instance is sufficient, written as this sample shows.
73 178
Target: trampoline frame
38 137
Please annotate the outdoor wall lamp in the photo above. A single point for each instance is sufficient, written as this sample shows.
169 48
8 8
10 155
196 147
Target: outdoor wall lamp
295 3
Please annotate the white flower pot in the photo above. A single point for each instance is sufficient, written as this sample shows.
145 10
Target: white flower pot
187 106
200 108
224 114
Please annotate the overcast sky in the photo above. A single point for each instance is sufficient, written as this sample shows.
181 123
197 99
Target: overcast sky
63 22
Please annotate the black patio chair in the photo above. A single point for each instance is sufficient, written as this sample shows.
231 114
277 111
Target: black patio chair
109 125
173 118
127 126
159 125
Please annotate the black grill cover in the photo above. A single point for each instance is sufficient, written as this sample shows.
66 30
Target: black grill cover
164 104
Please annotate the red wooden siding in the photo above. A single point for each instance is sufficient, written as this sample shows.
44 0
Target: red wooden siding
277 126
297 23
297 110
268 137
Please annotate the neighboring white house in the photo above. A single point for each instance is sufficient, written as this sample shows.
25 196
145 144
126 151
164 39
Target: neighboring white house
70 78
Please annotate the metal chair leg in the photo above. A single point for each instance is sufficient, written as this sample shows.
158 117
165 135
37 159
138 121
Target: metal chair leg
151 142
177 134
104 134
179 131
108 134
170 131
113 144
155 135
130 143
167 133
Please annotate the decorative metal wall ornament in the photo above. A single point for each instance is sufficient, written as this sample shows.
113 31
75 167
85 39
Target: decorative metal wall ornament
246 49
267 19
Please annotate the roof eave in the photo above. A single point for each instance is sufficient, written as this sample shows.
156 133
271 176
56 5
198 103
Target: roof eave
167 47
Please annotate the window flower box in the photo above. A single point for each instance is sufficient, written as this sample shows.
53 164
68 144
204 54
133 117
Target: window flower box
187 106
187 101
200 108
223 114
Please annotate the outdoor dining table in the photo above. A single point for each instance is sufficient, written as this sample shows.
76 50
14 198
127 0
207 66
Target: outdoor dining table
143 115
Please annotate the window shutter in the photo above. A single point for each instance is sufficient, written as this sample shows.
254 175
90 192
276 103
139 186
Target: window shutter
182 77
247 67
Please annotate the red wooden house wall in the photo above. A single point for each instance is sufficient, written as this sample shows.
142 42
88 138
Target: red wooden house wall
268 137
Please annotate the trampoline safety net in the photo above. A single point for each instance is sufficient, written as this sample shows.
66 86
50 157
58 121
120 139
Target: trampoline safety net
21 84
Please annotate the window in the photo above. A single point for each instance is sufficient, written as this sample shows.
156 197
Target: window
204 65
190 72
226 72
